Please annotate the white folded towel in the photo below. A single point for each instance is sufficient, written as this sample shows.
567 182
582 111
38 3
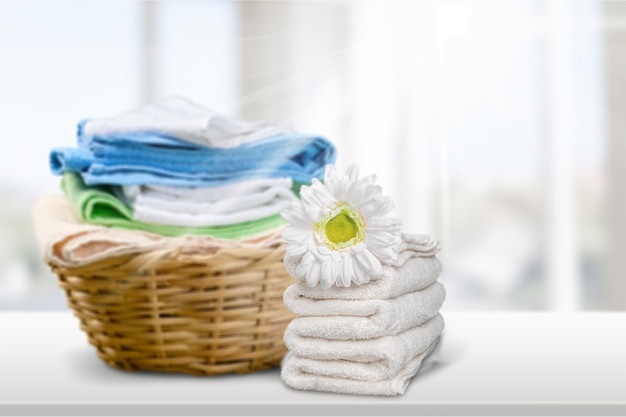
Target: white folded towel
153 213
208 206
387 352
416 274
215 194
362 319
415 244
180 118
380 366
160 216
294 376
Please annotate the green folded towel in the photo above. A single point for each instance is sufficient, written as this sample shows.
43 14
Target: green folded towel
98 205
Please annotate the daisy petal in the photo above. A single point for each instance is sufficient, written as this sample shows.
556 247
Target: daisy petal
377 207
313 274
327 270
356 196
297 218
385 255
330 179
295 250
353 172
330 172
358 248
370 179
370 263
382 241
391 224
305 263
360 275
341 188
346 270
324 250
326 283
294 235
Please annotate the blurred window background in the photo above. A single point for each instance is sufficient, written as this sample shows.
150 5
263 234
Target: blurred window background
497 127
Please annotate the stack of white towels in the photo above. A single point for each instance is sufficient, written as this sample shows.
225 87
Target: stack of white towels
237 202
369 339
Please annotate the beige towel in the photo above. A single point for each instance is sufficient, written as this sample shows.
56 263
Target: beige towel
380 366
294 374
388 352
363 319
65 240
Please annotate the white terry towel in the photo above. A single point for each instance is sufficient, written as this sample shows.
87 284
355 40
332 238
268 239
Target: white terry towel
386 354
416 274
363 319
66 241
151 214
208 206
415 244
294 375
206 195
181 118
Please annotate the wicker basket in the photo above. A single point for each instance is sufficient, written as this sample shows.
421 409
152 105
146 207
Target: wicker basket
182 310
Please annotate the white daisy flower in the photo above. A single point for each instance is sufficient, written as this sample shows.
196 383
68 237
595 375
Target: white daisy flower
340 231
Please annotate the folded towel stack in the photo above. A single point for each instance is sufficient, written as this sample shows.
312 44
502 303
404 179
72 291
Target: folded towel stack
367 335
175 168
370 339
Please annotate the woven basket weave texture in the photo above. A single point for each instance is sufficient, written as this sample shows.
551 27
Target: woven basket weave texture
183 310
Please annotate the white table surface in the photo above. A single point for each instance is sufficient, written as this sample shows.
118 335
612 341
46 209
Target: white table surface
488 363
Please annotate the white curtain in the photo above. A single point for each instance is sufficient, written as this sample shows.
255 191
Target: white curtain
483 120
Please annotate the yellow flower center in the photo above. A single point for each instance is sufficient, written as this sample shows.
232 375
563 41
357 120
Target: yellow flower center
341 228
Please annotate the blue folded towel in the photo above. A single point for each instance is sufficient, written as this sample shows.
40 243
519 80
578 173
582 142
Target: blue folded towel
148 158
